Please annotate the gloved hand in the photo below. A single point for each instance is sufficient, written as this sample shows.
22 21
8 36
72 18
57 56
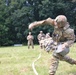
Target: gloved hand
31 26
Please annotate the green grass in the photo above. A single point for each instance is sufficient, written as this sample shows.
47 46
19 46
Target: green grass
18 61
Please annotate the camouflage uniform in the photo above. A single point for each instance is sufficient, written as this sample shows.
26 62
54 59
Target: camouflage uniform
63 35
30 40
40 37
47 35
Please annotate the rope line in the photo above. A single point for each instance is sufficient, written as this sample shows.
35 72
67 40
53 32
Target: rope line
33 64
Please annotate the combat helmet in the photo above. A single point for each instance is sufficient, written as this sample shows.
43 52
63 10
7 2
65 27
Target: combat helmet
61 19
41 31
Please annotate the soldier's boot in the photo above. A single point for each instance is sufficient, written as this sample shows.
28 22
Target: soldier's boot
32 47
74 62
51 74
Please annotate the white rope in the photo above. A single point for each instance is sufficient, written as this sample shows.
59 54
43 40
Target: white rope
33 65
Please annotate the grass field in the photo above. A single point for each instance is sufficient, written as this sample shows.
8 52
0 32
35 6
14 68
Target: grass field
18 61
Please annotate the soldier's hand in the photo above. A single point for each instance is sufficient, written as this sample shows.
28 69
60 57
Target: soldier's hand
66 44
31 26
63 46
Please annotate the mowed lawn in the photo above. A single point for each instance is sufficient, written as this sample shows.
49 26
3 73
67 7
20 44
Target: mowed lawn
18 61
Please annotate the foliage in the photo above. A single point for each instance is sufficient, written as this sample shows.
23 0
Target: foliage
16 15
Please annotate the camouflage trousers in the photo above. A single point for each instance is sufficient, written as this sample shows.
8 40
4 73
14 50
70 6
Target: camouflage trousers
41 44
30 43
55 61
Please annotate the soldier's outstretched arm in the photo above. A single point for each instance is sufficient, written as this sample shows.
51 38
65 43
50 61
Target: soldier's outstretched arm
48 21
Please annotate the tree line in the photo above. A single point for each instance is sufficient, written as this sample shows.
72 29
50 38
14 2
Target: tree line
16 15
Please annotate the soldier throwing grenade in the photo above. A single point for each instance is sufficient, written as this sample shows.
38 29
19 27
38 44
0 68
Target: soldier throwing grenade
63 35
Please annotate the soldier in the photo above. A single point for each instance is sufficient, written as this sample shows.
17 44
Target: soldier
63 35
40 37
30 40
47 35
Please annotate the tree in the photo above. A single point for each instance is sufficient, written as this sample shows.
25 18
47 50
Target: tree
16 15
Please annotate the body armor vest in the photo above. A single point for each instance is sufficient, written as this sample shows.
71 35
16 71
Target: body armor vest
58 35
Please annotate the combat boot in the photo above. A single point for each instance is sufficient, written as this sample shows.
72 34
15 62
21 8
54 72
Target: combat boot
75 62
51 74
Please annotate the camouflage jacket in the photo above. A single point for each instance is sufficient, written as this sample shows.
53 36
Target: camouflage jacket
40 36
30 38
65 34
